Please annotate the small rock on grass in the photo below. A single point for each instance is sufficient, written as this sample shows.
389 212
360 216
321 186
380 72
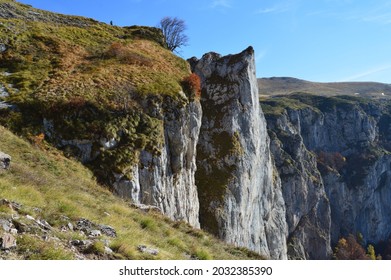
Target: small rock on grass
145 249
5 160
8 241
108 230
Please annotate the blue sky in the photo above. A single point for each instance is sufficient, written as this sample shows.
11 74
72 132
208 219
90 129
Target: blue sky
316 40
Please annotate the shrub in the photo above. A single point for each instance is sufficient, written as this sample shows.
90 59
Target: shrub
192 86
176 242
349 249
98 248
37 140
148 223
202 254
77 102
125 55
334 160
371 252
123 248
116 49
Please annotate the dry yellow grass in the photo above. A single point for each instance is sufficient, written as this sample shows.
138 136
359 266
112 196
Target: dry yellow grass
42 178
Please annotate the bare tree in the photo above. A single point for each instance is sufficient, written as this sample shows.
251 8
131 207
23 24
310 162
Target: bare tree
173 29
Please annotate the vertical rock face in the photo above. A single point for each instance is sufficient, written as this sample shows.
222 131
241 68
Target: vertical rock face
341 129
167 180
350 138
359 190
239 192
162 176
307 206
363 208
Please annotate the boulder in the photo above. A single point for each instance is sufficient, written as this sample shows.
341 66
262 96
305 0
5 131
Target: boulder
108 230
7 241
5 161
145 249
10 204
5 225
3 48
95 233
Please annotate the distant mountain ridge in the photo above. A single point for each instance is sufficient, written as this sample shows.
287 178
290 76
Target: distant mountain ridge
287 85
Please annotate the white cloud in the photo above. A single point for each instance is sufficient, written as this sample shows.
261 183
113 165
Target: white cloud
273 10
281 7
367 73
221 4
346 10
384 18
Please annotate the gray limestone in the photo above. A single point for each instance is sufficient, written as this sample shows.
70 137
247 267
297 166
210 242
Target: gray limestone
5 160
167 180
306 202
240 195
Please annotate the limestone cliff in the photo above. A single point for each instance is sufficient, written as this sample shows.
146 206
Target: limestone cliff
307 206
162 176
239 192
167 180
114 98
109 96
362 208
349 138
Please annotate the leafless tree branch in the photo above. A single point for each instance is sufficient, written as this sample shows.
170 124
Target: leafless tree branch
173 31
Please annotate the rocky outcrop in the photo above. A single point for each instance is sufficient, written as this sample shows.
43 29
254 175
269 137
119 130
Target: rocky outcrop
147 154
307 206
349 137
167 180
153 163
239 192
16 226
359 187
5 160
364 207
7 241
343 128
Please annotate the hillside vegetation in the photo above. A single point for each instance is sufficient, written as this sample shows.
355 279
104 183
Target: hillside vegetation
287 85
51 64
45 51
48 199
92 81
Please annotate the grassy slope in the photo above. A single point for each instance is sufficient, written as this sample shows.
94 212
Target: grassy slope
92 80
277 104
56 56
78 68
40 177
284 86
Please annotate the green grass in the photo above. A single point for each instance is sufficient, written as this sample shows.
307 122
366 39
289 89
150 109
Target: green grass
148 224
276 105
92 81
202 255
36 249
43 57
42 178
98 248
